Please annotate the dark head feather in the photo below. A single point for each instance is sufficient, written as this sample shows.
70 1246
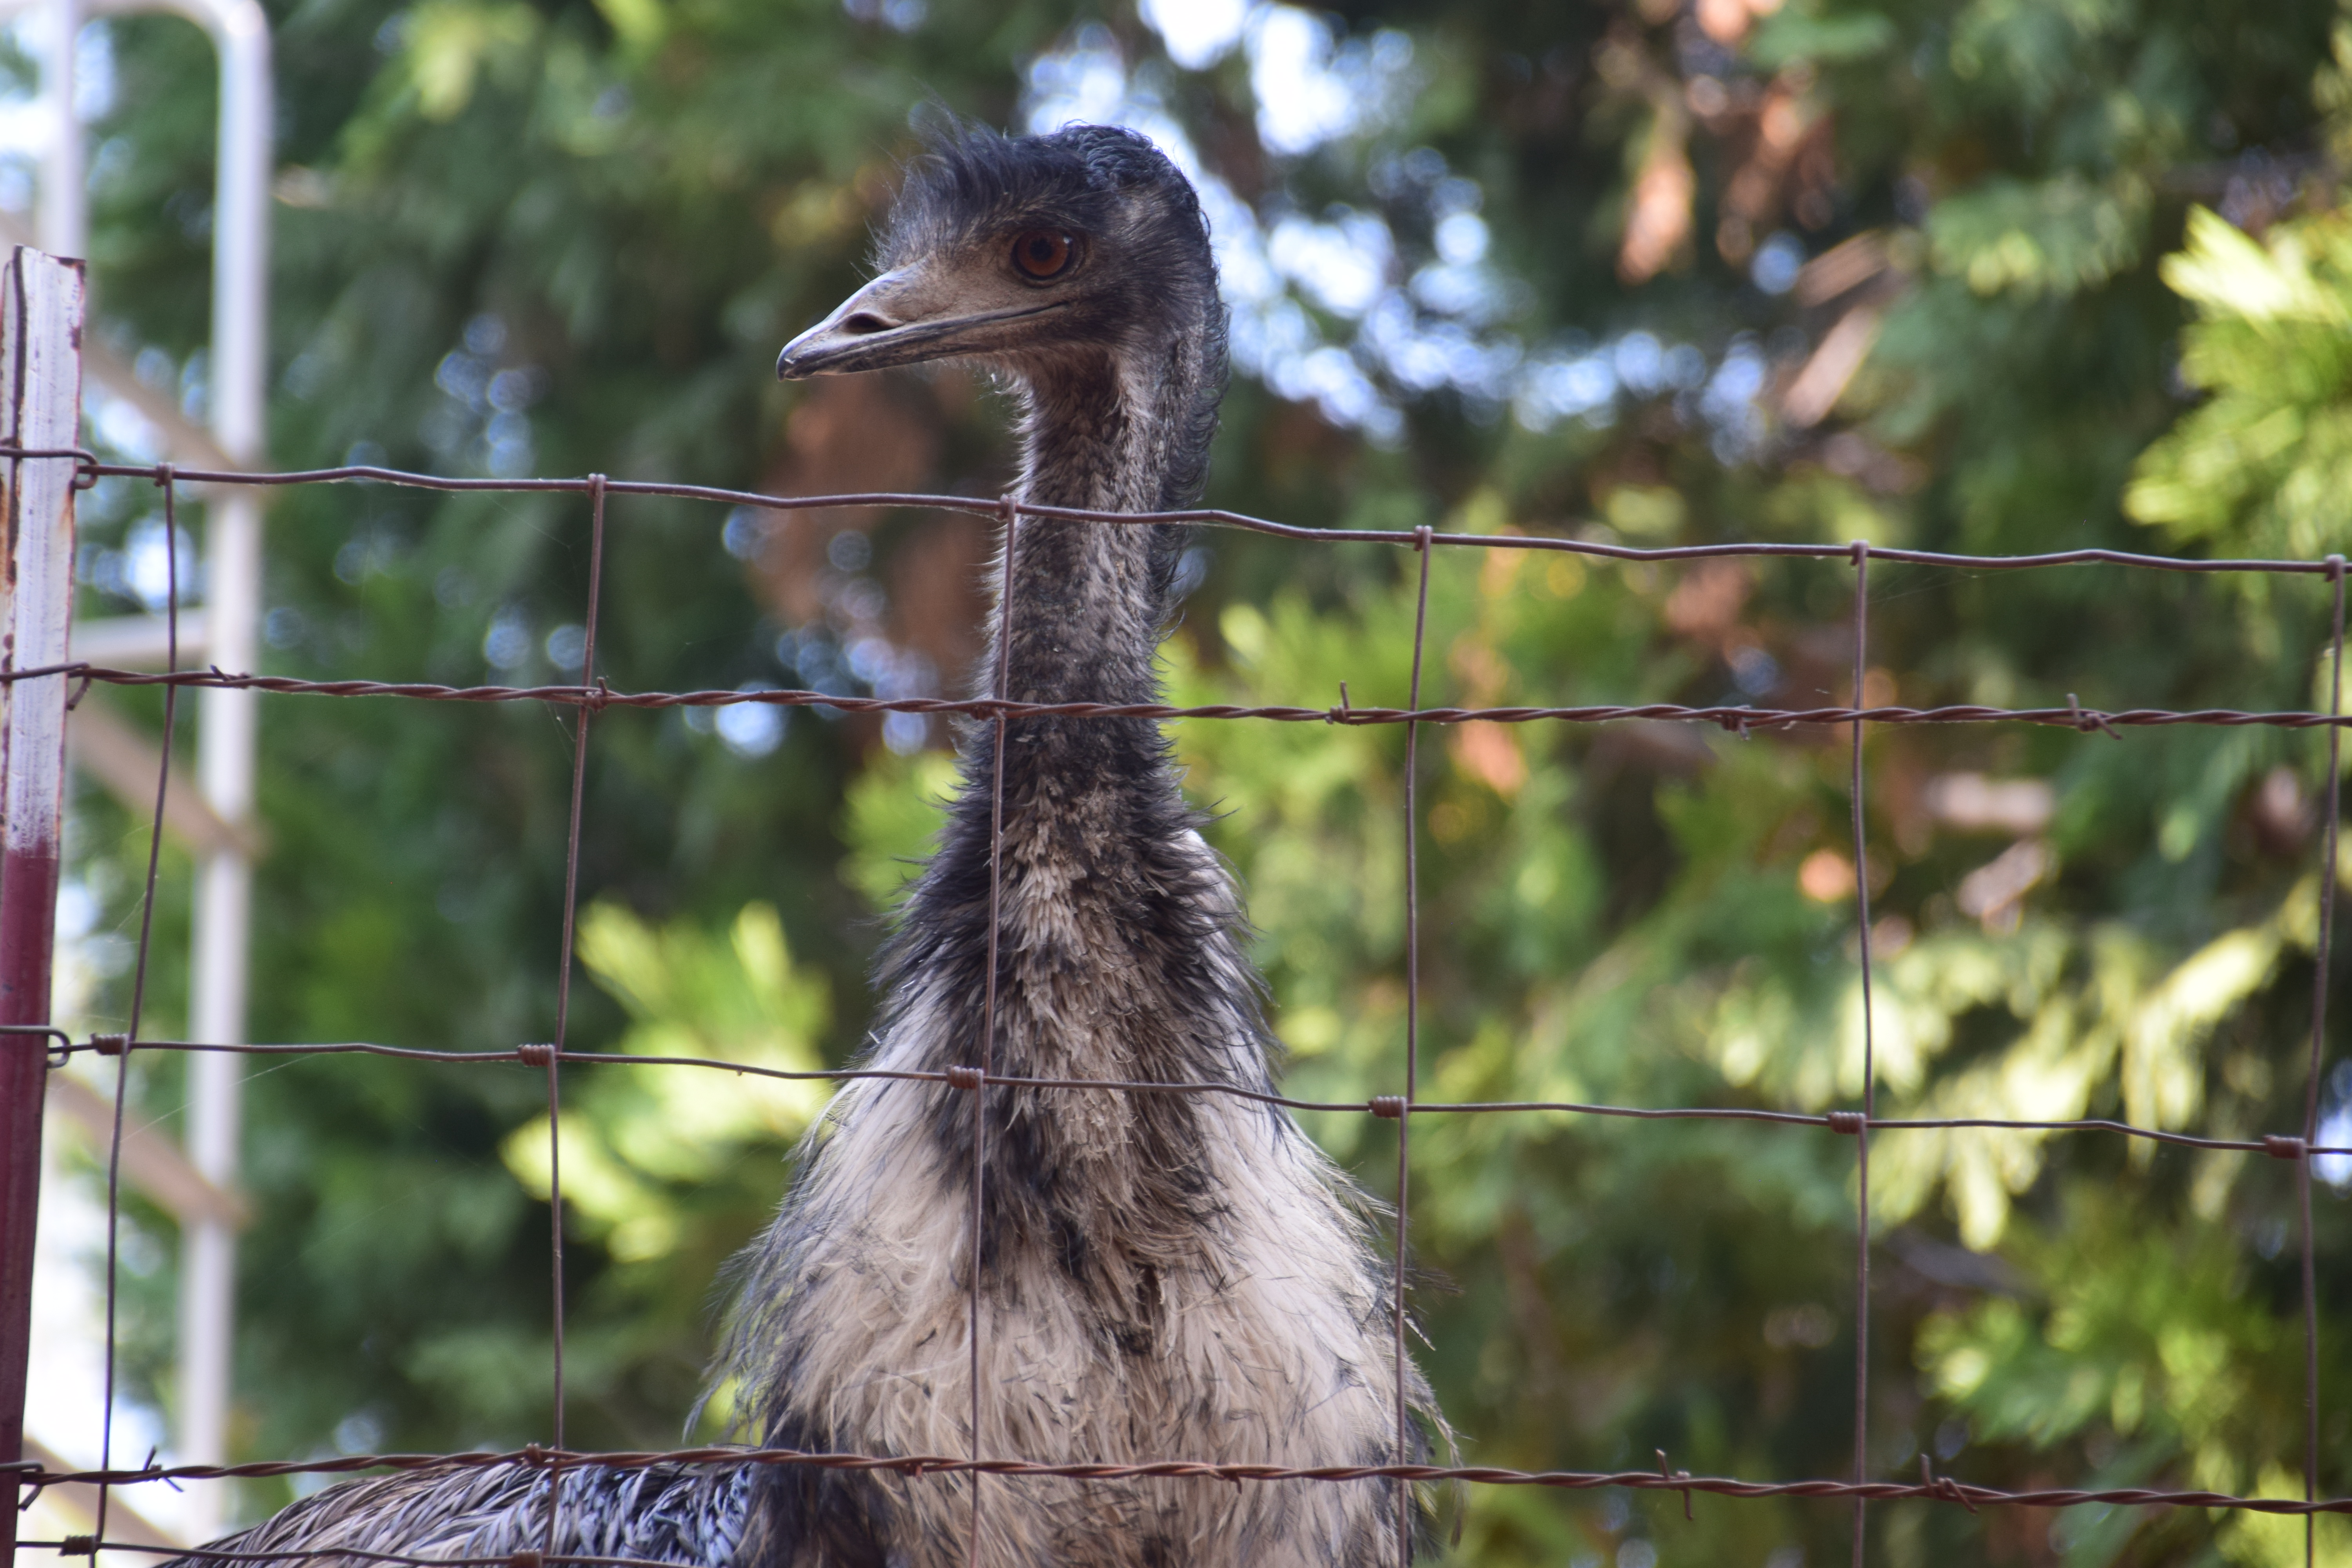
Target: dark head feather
1139 294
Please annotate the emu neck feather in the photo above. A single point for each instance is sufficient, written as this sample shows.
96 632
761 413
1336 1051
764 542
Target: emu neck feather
1087 598
1103 896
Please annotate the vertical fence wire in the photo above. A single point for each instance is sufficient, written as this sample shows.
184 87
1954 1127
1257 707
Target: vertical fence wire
1411 1039
2320 964
988 1002
139 977
1869 1059
163 479
563 982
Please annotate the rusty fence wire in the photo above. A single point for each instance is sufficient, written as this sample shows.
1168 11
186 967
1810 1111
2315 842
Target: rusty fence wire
595 695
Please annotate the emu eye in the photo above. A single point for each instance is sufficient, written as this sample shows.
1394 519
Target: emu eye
1042 254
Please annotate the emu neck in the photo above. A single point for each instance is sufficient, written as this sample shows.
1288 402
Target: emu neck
1098 842
1116 950
1086 598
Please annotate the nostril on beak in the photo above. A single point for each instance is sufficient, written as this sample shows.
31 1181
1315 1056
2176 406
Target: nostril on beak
865 323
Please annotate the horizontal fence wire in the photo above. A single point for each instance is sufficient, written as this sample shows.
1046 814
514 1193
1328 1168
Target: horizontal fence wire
1932 1488
85 1546
592 699
2279 1146
1736 720
90 470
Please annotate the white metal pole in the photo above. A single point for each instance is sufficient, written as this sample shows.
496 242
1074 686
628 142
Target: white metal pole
225 730
65 202
226 719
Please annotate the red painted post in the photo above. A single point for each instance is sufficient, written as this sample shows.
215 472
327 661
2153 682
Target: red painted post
40 409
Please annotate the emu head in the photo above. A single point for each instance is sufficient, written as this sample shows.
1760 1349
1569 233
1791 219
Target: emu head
1032 254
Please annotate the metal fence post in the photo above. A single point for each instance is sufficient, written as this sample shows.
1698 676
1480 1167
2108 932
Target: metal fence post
40 410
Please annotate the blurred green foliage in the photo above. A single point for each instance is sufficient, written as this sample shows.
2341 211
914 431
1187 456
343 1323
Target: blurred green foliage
2260 462
1986 275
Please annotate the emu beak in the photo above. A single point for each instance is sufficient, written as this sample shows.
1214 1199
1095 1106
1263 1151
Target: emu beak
903 317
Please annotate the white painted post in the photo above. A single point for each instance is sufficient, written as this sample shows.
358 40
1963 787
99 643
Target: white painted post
40 408
65 205
226 723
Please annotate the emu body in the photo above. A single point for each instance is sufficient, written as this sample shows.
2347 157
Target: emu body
1162 1275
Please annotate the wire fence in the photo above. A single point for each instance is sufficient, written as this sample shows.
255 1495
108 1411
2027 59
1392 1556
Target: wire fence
595 695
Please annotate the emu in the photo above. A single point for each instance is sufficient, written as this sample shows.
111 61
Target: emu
1162 1275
